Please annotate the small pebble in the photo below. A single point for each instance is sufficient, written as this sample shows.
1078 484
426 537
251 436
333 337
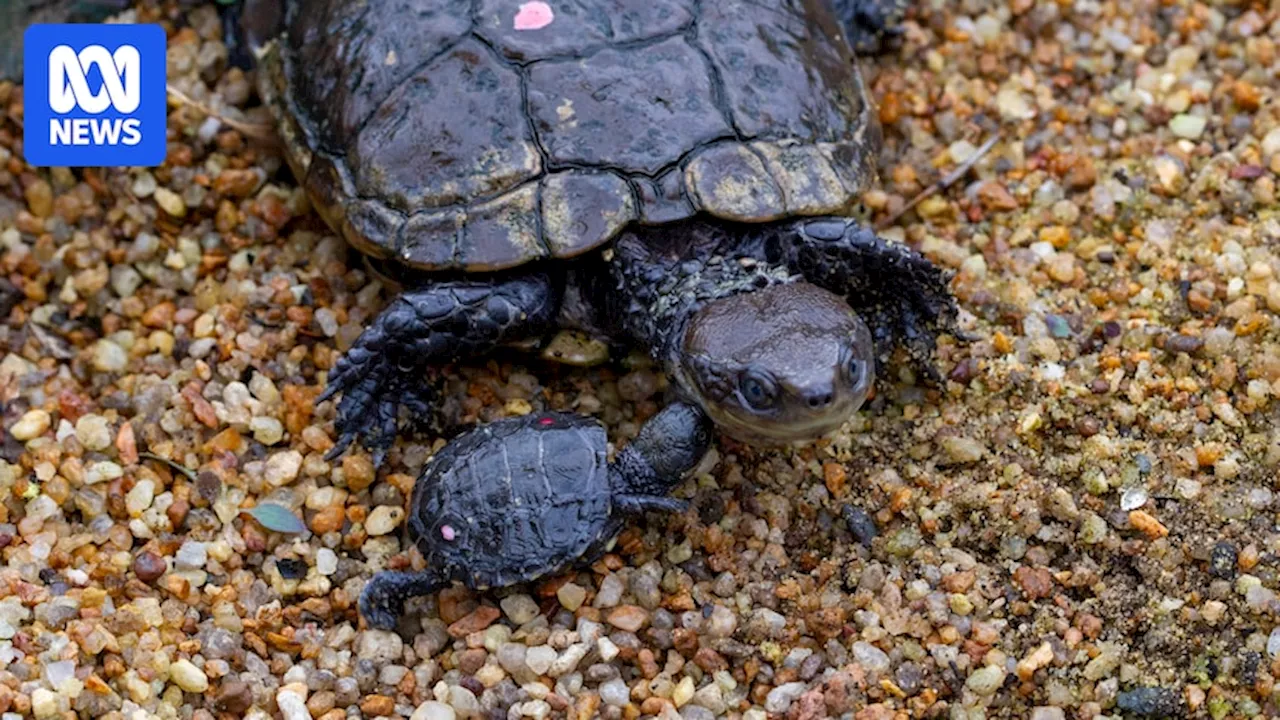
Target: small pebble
571 596
519 608
188 677
31 425
383 520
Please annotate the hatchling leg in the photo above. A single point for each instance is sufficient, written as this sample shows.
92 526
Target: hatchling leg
870 24
383 598
903 297
669 445
423 328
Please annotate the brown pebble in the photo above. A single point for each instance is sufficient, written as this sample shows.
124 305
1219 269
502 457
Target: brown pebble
375 705
959 582
1036 583
200 407
710 660
835 477
1246 95
586 706
1082 175
358 471
479 619
39 197
994 196
177 512
1183 344
148 566
809 706
237 182
472 660
1146 523
159 315
1088 426
653 705
328 520
233 697
628 617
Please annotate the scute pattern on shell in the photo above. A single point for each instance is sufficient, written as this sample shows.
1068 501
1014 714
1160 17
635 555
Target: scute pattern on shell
514 499
435 133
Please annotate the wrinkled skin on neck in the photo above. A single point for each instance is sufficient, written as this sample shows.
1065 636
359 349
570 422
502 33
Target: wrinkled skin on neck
787 363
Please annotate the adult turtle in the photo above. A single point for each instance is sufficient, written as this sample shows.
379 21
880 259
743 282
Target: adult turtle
514 500
677 174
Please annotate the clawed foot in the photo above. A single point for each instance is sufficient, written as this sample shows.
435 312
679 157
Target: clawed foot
383 598
381 605
420 329
914 316
374 387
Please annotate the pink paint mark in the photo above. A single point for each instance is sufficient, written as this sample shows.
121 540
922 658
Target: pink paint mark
447 532
545 421
534 16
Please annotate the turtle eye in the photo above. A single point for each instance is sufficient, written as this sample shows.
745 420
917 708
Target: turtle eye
857 371
757 391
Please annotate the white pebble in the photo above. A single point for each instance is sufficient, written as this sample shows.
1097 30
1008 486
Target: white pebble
383 519
615 693
1188 126
93 432
432 710
139 498
267 430
191 556
607 649
1273 643
292 706
986 680
282 468
170 201
109 357
568 660
188 677
539 658
326 561
102 472
31 425
780 698
44 704
519 608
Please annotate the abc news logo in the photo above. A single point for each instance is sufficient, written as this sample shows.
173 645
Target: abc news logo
69 89
94 95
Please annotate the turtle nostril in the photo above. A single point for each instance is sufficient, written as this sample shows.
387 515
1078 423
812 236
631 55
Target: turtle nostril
819 400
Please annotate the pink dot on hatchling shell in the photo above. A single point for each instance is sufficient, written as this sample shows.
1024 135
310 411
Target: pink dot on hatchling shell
534 16
447 532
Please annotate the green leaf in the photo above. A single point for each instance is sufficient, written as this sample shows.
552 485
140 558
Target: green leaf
279 518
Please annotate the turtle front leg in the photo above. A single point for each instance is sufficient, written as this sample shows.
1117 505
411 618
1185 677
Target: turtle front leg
430 326
383 598
669 445
903 296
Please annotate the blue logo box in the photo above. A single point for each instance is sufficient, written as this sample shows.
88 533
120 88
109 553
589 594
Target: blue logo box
94 95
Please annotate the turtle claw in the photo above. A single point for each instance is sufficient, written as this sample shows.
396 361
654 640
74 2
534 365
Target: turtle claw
383 598
370 409
379 606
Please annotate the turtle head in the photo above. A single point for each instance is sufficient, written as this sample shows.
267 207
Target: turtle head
786 363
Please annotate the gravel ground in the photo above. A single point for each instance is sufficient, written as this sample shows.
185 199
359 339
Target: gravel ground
1081 523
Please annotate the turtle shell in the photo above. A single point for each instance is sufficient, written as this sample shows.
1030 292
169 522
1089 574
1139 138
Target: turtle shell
482 134
515 499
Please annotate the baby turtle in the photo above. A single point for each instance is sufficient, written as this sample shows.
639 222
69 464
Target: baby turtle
520 498
676 175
